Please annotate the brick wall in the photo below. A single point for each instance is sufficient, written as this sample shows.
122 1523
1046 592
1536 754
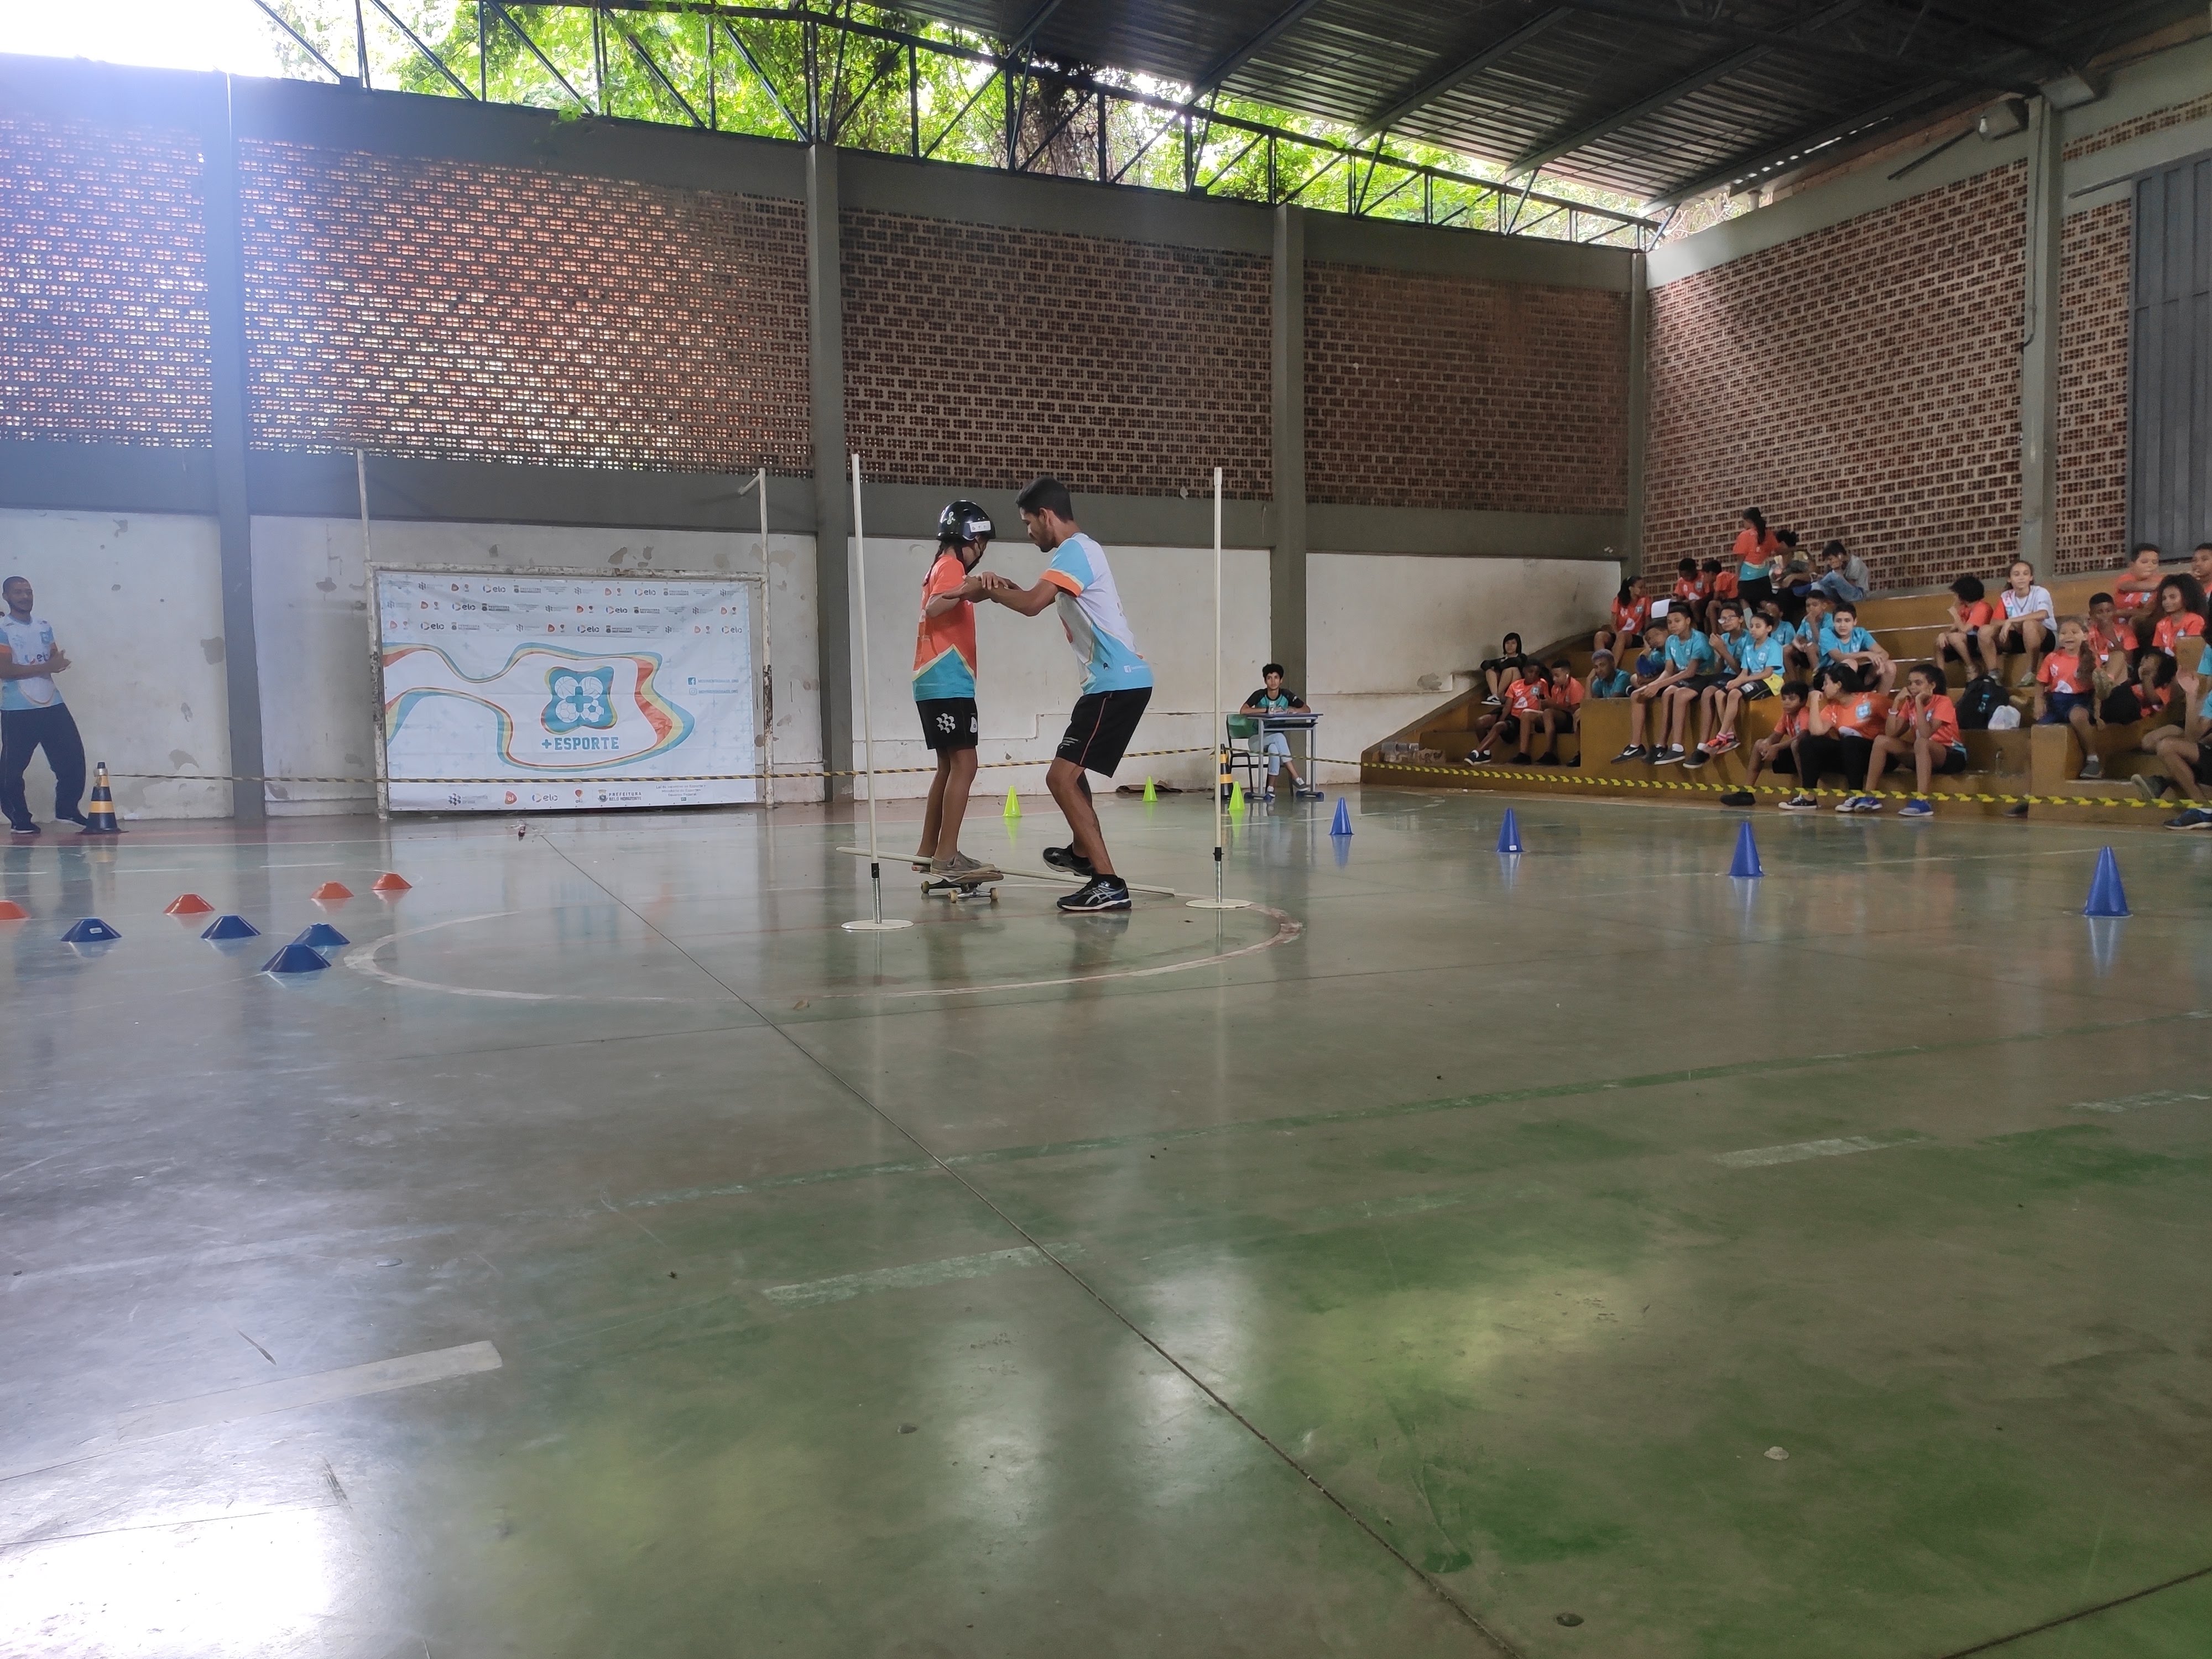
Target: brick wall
2156 121
103 285
452 311
1862 382
1445 392
982 356
2093 387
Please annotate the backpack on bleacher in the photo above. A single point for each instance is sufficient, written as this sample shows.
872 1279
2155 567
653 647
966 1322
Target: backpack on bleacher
1982 698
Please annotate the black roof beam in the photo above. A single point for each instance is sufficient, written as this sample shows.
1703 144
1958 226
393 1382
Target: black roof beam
1437 86
1557 143
1887 63
1230 62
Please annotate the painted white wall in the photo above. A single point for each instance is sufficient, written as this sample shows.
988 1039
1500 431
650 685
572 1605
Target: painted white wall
311 612
136 600
1028 677
1377 623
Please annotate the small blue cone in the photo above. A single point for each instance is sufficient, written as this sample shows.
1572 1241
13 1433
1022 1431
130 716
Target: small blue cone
90 931
229 928
2106 896
1746 853
1341 845
322 937
1342 826
294 958
1509 833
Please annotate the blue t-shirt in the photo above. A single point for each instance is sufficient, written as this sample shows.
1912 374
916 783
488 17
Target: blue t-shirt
1832 645
1689 651
1090 612
28 643
1619 686
1735 642
1760 660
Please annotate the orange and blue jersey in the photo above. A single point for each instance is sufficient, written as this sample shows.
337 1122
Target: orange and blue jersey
944 646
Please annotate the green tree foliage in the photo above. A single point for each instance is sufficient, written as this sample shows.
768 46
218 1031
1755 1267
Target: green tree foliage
752 75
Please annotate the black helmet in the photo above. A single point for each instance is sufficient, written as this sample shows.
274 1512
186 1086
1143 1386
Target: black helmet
962 521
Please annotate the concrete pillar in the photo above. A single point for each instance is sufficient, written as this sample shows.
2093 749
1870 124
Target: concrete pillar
225 279
833 496
2046 214
1286 559
1639 412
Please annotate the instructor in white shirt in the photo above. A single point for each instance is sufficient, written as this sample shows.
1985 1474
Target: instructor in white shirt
32 715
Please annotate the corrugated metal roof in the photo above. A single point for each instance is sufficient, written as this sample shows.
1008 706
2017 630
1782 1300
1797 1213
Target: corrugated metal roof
1647 97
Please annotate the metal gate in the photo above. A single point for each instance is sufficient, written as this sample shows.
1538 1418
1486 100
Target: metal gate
2170 390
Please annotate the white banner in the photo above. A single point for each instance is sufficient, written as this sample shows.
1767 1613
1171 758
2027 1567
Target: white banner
572 693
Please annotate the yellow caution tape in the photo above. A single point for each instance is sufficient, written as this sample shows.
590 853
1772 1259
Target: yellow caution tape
1569 775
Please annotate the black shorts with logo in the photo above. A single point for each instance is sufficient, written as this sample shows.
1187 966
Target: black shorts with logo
947 722
1100 727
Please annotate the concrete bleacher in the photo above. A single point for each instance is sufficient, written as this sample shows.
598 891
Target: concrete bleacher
2044 761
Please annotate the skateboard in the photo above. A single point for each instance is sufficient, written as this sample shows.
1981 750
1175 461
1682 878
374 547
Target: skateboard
949 888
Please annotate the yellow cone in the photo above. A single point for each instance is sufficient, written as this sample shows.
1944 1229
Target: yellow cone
1236 798
1150 794
1013 805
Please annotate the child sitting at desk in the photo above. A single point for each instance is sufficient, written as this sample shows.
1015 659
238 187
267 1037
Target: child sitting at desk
1274 698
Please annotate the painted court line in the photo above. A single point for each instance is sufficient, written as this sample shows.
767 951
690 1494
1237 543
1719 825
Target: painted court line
377 1377
2135 1102
1798 1151
818 1293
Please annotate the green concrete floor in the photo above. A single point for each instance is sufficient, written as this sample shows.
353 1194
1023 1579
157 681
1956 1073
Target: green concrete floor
1380 1272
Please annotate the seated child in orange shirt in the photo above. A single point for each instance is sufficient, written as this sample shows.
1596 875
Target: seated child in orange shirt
2065 691
1777 749
1970 612
1924 724
1564 695
1689 593
2140 582
1527 710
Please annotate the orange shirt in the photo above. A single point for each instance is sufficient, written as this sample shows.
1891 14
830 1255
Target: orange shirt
1863 714
1688 587
2152 703
1787 725
1725 585
2125 598
1525 697
2064 672
1942 719
1630 620
2187 625
1973 615
2123 640
1569 695
944 645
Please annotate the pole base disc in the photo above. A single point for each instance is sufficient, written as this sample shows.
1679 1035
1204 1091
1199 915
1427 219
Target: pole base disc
1217 904
888 925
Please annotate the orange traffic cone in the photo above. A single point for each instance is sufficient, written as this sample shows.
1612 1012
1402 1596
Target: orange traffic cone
391 882
100 811
331 892
11 911
187 904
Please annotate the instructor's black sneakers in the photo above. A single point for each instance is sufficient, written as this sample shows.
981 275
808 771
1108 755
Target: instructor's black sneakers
1099 893
1066 858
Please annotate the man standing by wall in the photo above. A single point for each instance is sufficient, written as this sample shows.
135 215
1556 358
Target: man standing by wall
32 713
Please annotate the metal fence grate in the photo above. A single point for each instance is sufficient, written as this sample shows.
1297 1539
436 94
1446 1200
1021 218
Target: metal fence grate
459 312
103 285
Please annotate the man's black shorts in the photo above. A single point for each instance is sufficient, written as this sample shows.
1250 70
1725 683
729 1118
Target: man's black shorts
947 722
1100 727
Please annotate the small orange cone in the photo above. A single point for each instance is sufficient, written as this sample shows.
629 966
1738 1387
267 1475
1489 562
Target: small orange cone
186 904
332 892
11 911
391 882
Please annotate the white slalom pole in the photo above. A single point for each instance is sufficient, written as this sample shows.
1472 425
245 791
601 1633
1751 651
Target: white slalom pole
1221 732
768 657
867 720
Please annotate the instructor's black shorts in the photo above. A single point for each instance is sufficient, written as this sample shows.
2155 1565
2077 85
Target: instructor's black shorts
947 722
1100 727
